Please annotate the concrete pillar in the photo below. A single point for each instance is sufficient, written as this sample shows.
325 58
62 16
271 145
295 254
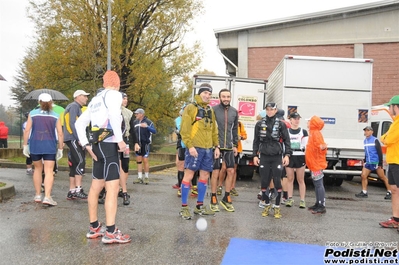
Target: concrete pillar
242 54
358 50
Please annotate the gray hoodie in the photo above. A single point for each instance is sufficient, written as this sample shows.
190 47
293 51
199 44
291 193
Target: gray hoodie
227 121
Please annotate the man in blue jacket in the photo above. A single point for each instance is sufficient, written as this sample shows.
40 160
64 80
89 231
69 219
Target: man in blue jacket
144 128
373 161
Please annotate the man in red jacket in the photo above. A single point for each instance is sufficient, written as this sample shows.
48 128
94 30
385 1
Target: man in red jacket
3 135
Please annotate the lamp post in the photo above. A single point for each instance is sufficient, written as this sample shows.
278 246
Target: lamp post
109 37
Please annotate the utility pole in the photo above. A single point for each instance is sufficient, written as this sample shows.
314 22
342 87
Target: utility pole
109 37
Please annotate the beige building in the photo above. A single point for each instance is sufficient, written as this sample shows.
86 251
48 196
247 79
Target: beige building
364 31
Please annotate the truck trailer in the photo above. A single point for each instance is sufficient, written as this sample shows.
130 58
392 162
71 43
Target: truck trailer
248 97
338 90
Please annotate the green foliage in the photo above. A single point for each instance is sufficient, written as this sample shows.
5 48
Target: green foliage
147 52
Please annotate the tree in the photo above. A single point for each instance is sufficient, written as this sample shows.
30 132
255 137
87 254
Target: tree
147 51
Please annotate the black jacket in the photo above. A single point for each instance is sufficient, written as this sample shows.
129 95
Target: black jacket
270 146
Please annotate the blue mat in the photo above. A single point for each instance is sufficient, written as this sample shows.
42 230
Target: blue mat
248 251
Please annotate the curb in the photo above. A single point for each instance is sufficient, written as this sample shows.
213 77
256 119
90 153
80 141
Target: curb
7 191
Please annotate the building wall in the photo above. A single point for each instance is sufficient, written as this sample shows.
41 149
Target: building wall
263 60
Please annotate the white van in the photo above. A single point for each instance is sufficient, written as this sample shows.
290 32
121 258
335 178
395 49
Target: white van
380 121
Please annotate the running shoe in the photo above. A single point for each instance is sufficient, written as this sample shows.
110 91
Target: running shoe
204 210
283 201
262 204
362 195
38 198
126 198
321 209
146 180
219 190
289 203
29 172
302 204
138 181
311 208
176 186
96 232
115 237
390 223
228 206
277 213
233 192
214 207
194 191
70 195
179 193
120 193
49 201
388 196
185 213
266 210
80 195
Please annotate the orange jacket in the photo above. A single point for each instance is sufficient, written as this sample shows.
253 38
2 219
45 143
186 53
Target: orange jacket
316 149
242 135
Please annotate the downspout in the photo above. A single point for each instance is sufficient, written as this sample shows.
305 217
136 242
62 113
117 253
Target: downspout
224 56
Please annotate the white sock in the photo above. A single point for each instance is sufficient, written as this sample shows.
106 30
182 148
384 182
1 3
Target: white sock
365 191
147 174
140 175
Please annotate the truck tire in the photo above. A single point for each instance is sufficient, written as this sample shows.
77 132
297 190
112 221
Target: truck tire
245 172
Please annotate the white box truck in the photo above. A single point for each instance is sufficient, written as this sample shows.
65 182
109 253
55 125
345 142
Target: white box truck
338 90
248 97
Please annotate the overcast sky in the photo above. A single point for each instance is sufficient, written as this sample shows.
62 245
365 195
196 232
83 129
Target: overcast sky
16 30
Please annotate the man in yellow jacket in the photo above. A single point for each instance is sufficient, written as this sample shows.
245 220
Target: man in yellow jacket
199 133
391 140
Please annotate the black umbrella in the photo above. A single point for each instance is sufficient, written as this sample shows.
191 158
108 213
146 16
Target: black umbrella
55 95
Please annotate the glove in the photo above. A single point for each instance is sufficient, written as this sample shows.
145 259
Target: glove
59 154
25 151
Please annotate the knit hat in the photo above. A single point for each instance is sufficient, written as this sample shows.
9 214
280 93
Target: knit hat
111 79
204 87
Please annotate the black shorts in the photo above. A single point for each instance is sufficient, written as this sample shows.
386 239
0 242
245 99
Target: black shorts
393 174
124 162
107 165
76 159
144 150
297 161
226 156
181 153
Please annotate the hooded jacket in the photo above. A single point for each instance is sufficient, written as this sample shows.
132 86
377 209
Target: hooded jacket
3 130
315 157
202 133
391 140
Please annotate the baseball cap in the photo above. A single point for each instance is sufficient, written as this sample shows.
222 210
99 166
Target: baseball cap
271 105
294 115
139 111
394 101
368 128
45 97
80 92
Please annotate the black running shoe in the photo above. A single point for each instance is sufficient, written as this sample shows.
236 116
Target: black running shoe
126 199
80 195
70 195
312 208
120 194
319 210
362 195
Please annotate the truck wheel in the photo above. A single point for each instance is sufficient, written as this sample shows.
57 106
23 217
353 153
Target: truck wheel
338 181
245 172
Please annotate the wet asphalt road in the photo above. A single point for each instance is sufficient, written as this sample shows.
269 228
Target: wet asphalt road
33 234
